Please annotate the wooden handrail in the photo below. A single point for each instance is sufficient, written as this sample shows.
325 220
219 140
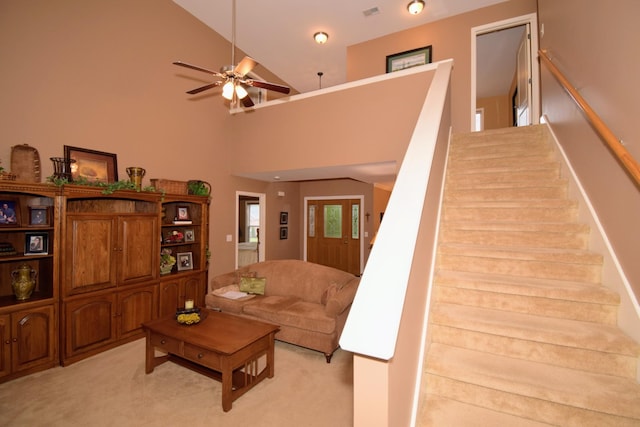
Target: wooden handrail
627 160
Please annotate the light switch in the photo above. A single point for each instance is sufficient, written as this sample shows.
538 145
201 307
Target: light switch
229 238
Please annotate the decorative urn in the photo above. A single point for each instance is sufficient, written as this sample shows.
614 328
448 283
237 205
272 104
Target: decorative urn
23 281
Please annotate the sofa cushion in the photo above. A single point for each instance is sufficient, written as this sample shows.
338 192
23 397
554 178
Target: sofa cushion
291 311
233 306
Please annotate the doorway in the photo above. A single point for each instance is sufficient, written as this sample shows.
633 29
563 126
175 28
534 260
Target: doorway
333 232
250 228
518 40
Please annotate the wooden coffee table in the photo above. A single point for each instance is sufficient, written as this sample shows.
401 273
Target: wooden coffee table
222 346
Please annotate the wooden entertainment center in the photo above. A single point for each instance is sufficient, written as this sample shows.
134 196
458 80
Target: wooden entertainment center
97 276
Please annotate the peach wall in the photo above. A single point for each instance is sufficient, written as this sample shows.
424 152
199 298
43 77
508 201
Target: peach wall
591 46
450 38
99 75
359 125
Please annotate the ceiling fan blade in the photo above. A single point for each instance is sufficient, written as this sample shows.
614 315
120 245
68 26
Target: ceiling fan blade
195 67
269 86
203 88
247 101
245 66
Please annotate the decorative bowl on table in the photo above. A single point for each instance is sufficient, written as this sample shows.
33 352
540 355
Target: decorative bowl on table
189 316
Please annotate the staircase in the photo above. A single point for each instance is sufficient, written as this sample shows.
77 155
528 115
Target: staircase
522 331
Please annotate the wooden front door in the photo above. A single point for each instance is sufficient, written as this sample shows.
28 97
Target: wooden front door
333 233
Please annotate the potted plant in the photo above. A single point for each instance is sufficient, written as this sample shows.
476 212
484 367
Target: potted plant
167 261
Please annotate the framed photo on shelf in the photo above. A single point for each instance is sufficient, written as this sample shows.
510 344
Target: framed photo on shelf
39 216
409 59
92 165
182 213
284 233
185 261
36 243
189 235
9 212
284 218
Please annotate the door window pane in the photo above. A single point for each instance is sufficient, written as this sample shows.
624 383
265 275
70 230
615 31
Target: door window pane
333 221
355 221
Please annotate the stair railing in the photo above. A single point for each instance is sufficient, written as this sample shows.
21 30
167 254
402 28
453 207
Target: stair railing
621 153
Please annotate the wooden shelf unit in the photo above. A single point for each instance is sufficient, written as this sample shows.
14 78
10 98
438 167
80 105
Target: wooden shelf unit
99 278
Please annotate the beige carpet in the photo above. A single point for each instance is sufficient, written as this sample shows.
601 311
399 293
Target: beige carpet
111 389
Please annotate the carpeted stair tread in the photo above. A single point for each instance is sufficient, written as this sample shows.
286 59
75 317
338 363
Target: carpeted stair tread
514 163
549 210
583 359
554 413
558 264
464 177
572 256
442 412
596 392
529 286
569 333
493 184
532 234
511 193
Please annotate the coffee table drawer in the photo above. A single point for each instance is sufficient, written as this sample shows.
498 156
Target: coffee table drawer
170 345
201 356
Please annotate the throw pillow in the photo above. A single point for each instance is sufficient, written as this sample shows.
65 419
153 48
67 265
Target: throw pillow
253 285
240 274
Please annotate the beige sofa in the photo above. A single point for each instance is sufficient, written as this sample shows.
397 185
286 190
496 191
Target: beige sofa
310 302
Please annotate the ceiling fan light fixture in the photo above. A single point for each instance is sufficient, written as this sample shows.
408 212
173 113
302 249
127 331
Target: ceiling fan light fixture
321 37
415 7
227 90
241 92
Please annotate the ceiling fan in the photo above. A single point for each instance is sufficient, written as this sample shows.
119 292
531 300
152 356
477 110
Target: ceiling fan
233 78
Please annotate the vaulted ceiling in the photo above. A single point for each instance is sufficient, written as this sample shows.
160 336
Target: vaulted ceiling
279 33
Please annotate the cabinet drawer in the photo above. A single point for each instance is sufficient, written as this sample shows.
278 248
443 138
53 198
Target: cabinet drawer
167 344
201 356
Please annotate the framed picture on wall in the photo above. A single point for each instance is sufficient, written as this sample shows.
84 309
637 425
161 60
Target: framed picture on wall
284 233
284 218
408 59
92 165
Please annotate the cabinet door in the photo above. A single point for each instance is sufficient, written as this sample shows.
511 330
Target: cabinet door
90 248
169 297
89 323
5 345
34 338
138 248
194 288
136 306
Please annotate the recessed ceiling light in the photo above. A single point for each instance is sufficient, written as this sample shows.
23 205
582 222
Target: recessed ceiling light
415 7
321 37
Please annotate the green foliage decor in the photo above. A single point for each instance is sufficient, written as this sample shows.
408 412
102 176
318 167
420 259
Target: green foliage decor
107 187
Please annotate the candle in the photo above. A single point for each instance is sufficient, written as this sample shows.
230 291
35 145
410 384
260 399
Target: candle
188 304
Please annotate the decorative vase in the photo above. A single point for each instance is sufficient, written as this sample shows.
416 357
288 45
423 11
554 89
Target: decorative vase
62 168
166 269
24 280
135 176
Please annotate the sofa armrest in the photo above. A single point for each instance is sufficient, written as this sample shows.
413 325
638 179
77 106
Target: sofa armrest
342 298
223 280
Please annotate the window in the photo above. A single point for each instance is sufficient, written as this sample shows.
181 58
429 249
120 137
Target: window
253 221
